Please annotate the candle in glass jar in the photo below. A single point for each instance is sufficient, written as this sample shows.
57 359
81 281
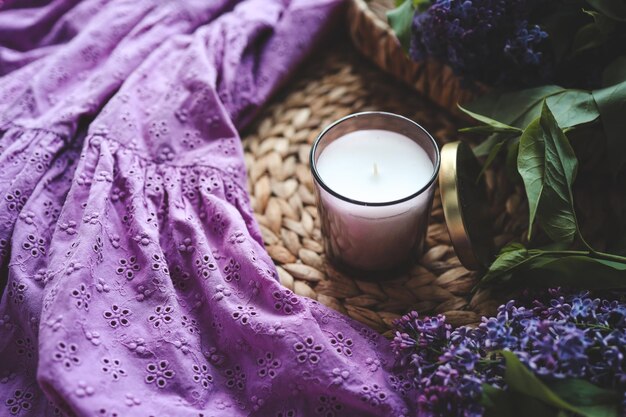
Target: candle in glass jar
374 166
374 176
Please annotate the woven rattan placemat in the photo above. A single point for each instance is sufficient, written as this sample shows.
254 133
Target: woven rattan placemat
335 83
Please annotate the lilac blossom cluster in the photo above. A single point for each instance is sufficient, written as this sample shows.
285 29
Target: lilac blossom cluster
569 336
466 34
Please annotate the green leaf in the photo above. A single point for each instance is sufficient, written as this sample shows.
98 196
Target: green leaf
485 146
491 395
579 392
516 108
501 403
511 247
599 410
496 401
576 271
520 108
511 161
615 9
611 102
546 268
400 20
522 380
489 129
493 153
573 107
525 406
548 167
511 258
492 126
531 161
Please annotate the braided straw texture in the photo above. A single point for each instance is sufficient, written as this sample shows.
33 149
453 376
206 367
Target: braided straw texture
335 84
373 37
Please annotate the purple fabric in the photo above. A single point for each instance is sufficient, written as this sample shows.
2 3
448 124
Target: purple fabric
138 284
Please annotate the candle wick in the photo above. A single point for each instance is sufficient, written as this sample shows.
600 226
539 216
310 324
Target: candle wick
375 169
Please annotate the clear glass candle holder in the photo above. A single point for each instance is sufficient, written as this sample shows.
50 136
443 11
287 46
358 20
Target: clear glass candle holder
374 239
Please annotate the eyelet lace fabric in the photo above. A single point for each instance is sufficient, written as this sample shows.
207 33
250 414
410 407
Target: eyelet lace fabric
136 282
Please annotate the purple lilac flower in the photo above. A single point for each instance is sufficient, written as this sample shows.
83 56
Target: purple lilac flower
569 336
484 40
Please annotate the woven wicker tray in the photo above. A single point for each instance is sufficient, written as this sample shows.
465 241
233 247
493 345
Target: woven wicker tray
373 37
334 84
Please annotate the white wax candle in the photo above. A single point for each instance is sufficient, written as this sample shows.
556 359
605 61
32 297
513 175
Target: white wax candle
374 166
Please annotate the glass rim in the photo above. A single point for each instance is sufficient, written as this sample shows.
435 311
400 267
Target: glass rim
318 178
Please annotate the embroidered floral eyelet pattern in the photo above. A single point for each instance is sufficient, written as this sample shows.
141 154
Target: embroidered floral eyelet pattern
67 354
4 248
127 267
82 296
342 344
214 356
221 292
186 246
104 176
328 406
340 376
285 301
117 195
84 390
91 218
372 364
132 401
235 378
191 325
205 265
142 238
162 315
68 227
113 367
27 217
231 271
276 330
181 279
268 366
159 264
257 402
16 200
244 314
40 160
401 384
20 401
93 338
159 373
34 245
308 351
43 276
201 376
25 347
117 316
373 394
17 292
138 345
